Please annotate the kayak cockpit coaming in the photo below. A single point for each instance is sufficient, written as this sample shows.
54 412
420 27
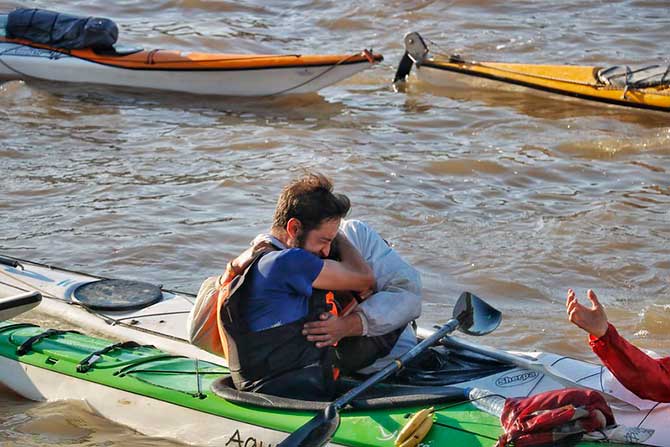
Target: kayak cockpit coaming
379 397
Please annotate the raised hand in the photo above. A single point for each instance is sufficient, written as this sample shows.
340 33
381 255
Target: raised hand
241 263
593 320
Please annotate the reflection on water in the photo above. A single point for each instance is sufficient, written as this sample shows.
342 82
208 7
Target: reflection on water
537 104
63 424
513 195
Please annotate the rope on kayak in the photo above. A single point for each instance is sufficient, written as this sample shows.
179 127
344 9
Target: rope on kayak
327 70
27 345
10 68
128 369
131 369
13 326
197 381
107 319
137 317
459 60
648 414
87 363
152 53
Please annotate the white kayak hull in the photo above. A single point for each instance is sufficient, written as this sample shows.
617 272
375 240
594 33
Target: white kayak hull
23 62
148 416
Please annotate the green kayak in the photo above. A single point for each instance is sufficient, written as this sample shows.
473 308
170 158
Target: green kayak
176 397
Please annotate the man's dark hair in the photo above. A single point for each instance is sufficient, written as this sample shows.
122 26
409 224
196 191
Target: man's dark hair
311 200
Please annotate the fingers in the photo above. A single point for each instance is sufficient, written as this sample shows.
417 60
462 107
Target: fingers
315 327
575 314
594 299
571 304
319 338
571 307
321 341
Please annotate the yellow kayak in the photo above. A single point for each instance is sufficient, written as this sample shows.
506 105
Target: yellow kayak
646 87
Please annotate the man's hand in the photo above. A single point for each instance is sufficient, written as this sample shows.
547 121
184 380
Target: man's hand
331 329
241 263
593 320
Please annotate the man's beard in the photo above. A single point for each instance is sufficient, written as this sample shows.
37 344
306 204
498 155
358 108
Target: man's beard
301 239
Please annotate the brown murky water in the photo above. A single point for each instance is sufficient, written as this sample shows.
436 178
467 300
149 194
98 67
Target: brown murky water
512 196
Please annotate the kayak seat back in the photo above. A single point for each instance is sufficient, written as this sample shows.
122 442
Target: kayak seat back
382 396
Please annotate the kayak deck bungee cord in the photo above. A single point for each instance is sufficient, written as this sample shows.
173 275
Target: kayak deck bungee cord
645 87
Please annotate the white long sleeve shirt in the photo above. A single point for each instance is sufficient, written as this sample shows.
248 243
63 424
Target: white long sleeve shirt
397 301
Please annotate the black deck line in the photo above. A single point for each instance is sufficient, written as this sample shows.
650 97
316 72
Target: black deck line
546 89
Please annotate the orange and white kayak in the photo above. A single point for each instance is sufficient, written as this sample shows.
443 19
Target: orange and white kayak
646 87
177 71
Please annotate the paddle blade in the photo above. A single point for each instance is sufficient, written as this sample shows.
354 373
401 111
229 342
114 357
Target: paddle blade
315 433
475 315
404 67
16 305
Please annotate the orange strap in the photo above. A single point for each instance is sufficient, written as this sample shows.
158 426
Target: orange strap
330 300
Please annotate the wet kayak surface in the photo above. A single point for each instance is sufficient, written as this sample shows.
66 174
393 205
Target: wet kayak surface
512 195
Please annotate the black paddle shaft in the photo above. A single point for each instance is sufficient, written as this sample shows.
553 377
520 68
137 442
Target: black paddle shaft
397 364
471 315
318 431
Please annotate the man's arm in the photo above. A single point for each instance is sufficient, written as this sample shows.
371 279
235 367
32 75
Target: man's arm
648 378
397 299
350 273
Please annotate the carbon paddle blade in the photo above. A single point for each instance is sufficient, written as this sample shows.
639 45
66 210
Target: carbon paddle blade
475 315
404 67
315 433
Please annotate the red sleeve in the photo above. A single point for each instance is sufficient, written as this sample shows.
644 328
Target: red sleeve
647 377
